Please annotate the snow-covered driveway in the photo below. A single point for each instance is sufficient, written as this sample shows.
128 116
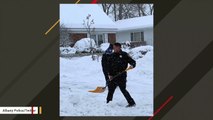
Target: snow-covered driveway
80 74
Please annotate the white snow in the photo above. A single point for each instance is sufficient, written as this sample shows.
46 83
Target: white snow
80 74
67 50
84 45
128 42
138 51
135 23
72 16
104 46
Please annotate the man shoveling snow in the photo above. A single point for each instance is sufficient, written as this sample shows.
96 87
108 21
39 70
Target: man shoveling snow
116 69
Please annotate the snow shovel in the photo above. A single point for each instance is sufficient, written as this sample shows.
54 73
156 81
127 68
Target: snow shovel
102 89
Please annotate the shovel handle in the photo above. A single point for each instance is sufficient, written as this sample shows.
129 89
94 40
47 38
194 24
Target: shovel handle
129 68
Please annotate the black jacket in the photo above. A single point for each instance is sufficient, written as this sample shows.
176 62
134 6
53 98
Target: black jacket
118 62
105 63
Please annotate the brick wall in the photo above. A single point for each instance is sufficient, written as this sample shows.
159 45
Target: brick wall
77 36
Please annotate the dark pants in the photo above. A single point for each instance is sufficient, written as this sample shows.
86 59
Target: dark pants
121 83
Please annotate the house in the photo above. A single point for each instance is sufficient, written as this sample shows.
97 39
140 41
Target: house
72 16
138 30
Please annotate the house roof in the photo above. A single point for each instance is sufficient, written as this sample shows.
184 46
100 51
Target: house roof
135 23
72 16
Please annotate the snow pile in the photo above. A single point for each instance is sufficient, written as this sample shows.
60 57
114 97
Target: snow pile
125 49
104 46
135 23
80 74
84 45
139 52
67 50
128 43
69 18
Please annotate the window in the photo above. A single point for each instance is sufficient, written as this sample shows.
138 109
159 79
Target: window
142 36
137 36
100 39
132 37
93 37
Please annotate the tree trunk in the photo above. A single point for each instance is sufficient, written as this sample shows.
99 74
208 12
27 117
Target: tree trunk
114 11
120 10
104 7
139 10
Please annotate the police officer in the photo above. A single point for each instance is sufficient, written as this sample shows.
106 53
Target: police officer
118 63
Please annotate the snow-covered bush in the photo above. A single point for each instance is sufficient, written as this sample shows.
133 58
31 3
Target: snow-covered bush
126 46
67 50
128 43
126 49
139 52
104 46
84 45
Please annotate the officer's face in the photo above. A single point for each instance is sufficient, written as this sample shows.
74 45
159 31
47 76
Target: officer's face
116 49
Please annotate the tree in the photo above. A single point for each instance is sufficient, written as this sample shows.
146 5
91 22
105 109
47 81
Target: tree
114 12
88 22
125 11
151 9
106 8
141 10
130 11
64 36
120 11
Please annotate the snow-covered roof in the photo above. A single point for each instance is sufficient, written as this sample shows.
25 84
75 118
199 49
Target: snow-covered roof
135 23
72 16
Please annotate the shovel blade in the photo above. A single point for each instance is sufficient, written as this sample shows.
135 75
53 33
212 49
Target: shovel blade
98 90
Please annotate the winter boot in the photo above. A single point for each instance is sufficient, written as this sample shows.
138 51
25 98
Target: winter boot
108 101
131 105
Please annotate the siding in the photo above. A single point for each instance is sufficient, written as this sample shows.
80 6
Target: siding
124 36
148 36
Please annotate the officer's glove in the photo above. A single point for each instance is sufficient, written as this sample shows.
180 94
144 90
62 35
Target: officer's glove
110 77
131 67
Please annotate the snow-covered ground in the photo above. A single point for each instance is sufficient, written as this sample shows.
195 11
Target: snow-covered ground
80 74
